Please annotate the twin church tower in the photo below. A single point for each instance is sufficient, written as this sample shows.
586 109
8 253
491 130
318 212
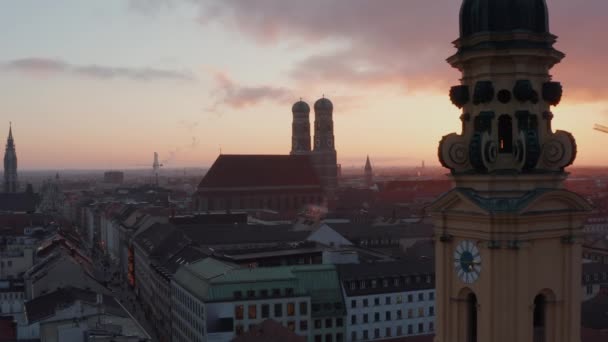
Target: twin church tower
323 154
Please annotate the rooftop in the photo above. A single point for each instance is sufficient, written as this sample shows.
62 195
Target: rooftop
262 171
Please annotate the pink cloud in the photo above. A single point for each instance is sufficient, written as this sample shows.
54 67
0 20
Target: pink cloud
397 42
229 93
49 67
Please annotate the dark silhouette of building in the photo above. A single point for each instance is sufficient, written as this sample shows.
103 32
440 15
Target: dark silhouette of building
300 128
324 152
369 176
10 165
283 183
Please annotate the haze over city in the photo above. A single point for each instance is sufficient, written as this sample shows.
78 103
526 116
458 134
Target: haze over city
102 85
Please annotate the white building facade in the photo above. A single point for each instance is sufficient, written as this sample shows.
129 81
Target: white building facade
385 301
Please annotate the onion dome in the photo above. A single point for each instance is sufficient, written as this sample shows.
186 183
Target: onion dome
324 104
481 16
300 107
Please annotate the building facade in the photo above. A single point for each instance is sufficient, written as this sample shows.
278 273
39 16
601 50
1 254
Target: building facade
508 249
388 300
216 301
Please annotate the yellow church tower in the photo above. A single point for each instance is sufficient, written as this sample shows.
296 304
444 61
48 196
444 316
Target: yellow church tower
508 249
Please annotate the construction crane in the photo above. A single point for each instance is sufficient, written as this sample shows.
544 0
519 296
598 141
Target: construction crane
600 128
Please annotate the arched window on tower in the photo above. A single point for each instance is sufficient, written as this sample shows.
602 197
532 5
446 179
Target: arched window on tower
505 134
471 318
540 318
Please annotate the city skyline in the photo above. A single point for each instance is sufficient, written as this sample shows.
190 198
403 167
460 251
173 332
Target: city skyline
103 86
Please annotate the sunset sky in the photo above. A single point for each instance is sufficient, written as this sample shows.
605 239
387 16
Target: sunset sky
104 84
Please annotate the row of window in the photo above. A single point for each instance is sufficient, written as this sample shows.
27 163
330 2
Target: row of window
188 317
388 315
596 276
11 295
182 332
303 325
388 300
386 282
329 323
9 263
388 332
596 257
329 338
187 301
291 325
264 293
252 310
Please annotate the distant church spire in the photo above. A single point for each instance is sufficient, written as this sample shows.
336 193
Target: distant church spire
10 141
369 176
10 164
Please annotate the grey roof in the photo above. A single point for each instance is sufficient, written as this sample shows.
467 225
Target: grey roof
153 237
45 306
354 231
185 256
210 235
412 276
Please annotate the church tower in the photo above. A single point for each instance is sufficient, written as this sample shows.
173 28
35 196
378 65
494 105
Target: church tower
10 165
324 152
369 175
508 249
300 128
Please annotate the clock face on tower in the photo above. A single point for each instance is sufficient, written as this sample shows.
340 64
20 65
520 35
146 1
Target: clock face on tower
467 262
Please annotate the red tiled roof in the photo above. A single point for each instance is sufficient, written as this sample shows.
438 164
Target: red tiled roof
242 171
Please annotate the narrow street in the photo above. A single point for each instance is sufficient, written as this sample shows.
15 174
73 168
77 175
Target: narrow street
121 290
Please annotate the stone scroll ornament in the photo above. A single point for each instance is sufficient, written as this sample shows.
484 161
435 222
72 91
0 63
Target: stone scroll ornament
552 93
460 95
490 150
558 152
454 153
